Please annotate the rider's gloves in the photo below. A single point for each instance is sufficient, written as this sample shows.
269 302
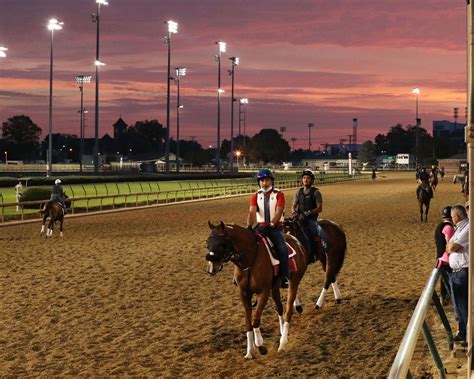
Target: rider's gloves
249 227
267 229
307 213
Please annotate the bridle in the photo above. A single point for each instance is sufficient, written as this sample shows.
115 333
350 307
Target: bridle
229 254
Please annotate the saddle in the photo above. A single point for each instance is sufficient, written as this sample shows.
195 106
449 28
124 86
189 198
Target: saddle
274 257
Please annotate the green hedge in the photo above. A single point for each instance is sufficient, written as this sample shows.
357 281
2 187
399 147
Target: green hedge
36 193
85 179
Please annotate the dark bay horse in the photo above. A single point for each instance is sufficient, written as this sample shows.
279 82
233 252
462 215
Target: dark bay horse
332 261
55 212
434 180
424 199
254 274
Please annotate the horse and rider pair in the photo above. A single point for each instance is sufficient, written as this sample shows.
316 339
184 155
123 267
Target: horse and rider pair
266 210
254 273
55 209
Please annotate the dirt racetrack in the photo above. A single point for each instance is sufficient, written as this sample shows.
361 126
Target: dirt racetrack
127 293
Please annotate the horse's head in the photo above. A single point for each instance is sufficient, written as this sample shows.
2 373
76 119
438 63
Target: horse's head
220 248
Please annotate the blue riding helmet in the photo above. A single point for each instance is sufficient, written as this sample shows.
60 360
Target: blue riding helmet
446 212
265 173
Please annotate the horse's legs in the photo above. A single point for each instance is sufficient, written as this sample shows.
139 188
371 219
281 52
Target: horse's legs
292 291
49 232
45 216
61 227
427 208
246 301
297 304
278 304
262 300
330 279
337 292
421 212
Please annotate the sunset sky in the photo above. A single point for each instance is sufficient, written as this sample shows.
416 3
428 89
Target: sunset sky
319 61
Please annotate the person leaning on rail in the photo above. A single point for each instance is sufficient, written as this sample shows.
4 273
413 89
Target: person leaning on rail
443 233
458 250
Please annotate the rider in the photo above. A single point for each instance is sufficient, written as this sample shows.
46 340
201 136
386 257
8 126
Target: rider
307 205
57 194
266 209
424 178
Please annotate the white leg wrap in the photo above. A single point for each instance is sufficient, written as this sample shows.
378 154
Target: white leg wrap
281 322
61 234
297 302
258 337
284 336
42 229
337 293
320 301
250 345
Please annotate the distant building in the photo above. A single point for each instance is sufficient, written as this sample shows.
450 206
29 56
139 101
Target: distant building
451 132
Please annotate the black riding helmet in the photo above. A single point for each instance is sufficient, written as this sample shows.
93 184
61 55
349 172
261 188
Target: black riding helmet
309 173
446 212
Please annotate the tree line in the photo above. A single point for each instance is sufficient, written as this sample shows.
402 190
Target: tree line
142 140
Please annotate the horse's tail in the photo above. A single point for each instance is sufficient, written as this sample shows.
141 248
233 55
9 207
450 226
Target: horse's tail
339 245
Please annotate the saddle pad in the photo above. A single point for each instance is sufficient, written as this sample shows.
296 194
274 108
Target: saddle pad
275 262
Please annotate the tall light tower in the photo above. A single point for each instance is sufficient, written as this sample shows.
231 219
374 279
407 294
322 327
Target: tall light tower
172 29
222 49
2 52
354 131
180 71
95 17
282 131
416 92
81 80
53 25
235 62
242 102
310 126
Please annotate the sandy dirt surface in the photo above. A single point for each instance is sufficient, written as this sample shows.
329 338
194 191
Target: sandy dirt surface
127 294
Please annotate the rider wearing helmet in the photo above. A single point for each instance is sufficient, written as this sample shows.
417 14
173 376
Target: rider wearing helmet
57 194
266 209
307 205
424 178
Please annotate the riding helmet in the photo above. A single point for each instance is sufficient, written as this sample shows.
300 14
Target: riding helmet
309 173
265 173
57 181
446 212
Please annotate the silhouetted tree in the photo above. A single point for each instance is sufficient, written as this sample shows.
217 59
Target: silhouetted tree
21 136
268 146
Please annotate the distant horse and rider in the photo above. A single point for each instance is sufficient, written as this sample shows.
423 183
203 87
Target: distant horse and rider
55 210
424 191
254 272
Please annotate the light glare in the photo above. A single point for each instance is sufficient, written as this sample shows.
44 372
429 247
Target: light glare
102 2
222 46
82 79
54 24
99 63
244 100
180 71
172 27
416 90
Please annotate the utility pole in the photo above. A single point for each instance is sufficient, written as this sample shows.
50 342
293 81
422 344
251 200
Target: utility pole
293 140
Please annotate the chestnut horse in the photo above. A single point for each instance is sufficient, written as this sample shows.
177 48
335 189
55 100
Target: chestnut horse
254 274
55 212
332 261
